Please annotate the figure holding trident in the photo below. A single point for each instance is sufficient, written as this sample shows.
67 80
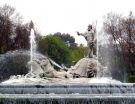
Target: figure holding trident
90 36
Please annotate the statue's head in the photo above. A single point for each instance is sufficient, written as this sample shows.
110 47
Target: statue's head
31 25
89 27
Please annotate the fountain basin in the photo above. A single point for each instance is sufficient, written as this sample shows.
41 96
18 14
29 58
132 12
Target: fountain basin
79 88
67 98
67 93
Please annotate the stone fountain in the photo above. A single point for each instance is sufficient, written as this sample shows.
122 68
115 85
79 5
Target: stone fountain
42 84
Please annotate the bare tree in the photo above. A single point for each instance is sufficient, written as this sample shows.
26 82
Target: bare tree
121 31
13 34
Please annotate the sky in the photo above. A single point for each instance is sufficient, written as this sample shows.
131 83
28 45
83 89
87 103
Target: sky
68 16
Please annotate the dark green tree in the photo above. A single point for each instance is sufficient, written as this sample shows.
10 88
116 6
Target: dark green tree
77 53
55 48
67 38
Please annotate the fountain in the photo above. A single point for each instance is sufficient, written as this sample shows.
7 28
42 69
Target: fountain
44 85
32 46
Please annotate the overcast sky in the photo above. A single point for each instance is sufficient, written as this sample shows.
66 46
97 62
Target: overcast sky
68 16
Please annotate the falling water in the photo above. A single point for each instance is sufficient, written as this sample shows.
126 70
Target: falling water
33 46
68 94
97 46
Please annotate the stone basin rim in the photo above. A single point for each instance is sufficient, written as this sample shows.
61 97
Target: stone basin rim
67 96
70 84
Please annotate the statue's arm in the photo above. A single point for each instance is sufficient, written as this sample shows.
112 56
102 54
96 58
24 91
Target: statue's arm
80 33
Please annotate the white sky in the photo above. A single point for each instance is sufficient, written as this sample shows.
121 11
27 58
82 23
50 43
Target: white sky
68 16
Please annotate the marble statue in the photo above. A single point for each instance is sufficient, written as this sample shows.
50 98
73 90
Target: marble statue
91 40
